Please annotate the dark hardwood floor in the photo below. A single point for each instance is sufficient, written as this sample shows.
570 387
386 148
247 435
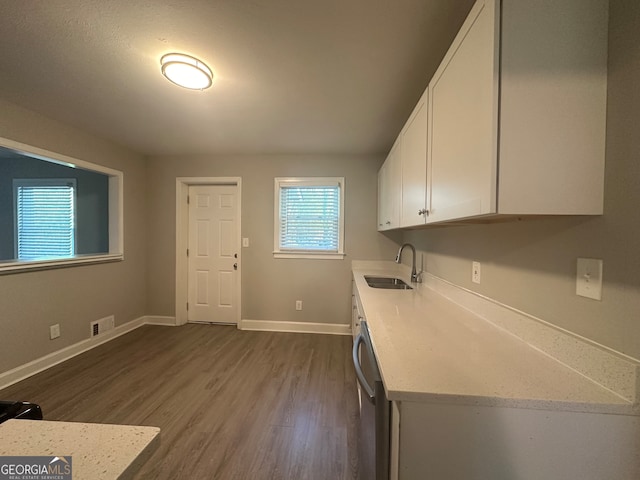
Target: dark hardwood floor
231 404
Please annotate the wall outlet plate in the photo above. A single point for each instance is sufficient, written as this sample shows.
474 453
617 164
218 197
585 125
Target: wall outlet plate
298 304
54 331
589 278
475 272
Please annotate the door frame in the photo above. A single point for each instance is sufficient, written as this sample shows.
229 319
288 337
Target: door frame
182 240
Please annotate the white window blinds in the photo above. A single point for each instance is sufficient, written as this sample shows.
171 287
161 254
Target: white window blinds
45 219
309 215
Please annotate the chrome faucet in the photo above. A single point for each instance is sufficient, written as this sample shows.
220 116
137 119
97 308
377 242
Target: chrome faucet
414 273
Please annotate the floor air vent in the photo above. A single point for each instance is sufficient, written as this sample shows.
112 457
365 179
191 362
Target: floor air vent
103 325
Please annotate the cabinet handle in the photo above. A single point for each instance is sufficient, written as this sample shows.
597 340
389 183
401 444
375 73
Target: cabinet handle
424 211
388 222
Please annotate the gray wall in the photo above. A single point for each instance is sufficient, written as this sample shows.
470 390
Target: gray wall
270 286
92 203
74 296
532 265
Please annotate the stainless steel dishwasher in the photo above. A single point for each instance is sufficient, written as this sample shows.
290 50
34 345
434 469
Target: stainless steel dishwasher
374 427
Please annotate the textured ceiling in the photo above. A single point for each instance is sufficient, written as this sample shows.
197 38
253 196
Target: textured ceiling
292 76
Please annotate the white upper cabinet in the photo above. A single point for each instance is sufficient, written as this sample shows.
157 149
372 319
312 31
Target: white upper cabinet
389 190
413 139
513 122
517 112
463 121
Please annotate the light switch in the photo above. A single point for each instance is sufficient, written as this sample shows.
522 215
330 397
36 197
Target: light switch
589 278
245 242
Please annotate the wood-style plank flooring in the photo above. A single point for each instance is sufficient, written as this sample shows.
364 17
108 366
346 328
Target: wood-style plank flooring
230 404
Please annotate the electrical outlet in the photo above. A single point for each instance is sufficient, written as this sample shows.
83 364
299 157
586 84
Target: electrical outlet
298 304
475 272
54 331
589 278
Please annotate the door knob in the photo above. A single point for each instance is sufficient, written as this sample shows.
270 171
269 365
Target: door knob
235 266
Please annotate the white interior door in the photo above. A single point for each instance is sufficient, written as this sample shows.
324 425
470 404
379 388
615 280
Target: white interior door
213 254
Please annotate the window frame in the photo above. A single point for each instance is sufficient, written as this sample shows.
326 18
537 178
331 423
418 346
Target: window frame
43 182
279 183
116 212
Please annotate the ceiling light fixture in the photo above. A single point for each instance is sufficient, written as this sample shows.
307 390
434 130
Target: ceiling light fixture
186 71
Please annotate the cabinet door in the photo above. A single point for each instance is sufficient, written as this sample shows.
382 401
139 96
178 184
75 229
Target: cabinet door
463 120
389 190
414 166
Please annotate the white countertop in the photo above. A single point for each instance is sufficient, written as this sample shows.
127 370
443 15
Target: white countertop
98 451
430 349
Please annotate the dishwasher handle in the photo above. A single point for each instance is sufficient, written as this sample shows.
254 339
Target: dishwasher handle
359 373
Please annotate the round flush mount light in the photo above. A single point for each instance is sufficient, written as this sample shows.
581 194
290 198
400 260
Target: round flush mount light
186 71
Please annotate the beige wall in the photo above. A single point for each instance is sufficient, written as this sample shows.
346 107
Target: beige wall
531 265
72 297
270 286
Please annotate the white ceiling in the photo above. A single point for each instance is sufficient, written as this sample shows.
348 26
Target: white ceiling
292 76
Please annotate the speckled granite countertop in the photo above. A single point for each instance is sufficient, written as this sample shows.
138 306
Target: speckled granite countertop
98 451
431 349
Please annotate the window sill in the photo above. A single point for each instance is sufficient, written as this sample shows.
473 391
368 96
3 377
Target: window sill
17 267
310 255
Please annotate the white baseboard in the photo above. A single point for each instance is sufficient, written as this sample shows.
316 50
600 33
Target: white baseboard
295 327
160 320
38 365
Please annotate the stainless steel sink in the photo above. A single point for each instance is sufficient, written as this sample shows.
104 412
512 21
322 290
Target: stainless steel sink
390 283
